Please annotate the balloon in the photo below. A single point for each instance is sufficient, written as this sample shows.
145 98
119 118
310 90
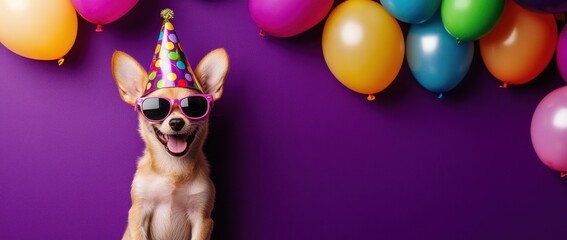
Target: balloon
411 11
38 29
288 18
561 55
549 129
470 19
363 46
103 11
435 58
520 46
548 6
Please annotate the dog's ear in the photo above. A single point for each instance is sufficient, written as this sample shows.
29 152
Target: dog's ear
211 72
129 76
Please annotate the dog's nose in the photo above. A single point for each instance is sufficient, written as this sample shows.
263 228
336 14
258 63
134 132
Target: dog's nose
176 124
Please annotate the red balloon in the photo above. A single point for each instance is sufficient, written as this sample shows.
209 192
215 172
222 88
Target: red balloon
520 46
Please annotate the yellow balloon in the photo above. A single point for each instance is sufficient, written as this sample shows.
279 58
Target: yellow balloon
38 29
363 46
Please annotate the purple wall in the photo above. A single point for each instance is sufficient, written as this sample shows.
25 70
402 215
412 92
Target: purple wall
294 154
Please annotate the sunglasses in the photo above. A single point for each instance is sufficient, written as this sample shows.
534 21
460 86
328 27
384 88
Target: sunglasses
156 109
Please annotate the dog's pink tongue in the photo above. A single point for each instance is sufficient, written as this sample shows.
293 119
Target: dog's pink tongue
176 144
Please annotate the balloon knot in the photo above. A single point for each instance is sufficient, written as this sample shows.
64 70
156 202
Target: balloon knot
459 41
503 86
60 61
167 14
440 96
98 28
262 33
371 97
563 174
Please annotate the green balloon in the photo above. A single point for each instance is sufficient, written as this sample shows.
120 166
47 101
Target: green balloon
470 19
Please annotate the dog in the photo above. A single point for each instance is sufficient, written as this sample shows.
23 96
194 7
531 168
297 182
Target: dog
172 193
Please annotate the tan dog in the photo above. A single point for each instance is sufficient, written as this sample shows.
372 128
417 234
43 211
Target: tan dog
172 194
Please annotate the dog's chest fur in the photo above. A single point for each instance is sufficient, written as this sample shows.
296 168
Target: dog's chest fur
170 206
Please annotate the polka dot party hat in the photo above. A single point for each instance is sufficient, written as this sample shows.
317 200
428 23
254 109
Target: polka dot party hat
169 67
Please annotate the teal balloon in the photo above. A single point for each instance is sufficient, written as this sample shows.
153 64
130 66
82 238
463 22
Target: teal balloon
436 59
411 11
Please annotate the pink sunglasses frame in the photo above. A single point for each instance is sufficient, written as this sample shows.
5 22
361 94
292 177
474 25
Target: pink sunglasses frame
208 97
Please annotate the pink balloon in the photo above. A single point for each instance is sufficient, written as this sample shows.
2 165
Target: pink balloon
103 11
549 130
286 18
561 54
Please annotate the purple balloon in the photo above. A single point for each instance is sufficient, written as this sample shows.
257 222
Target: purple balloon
561 53
548 6
549 130
288 17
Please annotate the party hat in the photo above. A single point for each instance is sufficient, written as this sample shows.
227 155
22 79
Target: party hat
169 67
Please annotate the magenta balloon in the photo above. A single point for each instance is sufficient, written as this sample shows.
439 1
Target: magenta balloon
286 18
103 11
549 130
561 54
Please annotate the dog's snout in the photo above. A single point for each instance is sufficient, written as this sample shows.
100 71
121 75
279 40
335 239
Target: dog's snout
176 124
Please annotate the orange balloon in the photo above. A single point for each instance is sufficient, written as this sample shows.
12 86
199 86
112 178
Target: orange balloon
363 46
38 29
520 46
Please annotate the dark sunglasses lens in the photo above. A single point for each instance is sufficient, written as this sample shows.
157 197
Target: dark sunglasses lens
194 106
155 108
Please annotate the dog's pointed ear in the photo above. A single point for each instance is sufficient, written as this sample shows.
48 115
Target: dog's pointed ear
129 76
211 72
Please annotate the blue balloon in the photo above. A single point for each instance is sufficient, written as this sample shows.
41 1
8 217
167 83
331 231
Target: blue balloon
411 11
436 59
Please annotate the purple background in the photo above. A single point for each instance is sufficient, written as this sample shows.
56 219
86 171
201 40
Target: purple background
294 154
